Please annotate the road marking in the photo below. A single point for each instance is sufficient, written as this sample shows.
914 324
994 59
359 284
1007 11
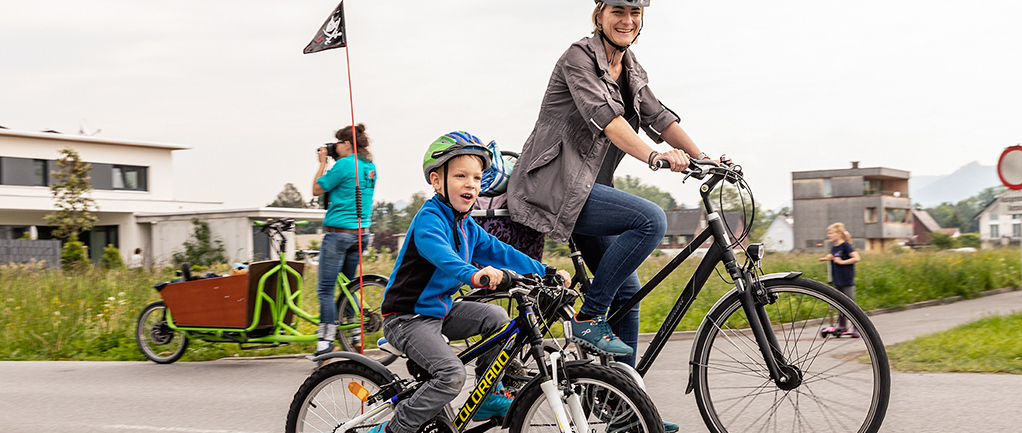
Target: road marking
170 429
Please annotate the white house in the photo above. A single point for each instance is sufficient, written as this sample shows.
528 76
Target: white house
1000 223
780 236
133 190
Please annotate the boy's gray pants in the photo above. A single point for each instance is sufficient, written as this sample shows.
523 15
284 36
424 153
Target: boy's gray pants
419 337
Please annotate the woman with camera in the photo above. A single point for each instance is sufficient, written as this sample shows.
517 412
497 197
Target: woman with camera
340 251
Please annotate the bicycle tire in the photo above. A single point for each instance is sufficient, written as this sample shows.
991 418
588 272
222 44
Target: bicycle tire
157 341
845 382
372 290
324 402
612 402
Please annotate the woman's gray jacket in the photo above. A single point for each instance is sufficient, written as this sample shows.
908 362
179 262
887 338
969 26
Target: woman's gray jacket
559 162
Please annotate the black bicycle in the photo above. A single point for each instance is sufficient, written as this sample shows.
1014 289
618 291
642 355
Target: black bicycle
761 359
354 393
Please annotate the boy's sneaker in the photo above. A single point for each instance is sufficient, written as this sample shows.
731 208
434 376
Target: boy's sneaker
670 427
853 334
596 335
495 404
380 428
331 348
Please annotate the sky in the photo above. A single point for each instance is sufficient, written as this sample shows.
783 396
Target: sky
779 86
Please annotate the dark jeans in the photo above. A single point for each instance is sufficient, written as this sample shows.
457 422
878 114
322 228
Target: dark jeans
616 231
338 253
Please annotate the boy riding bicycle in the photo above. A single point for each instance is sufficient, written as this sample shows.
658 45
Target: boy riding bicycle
435 261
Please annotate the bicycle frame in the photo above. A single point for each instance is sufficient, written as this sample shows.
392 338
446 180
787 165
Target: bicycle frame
511 339
720 251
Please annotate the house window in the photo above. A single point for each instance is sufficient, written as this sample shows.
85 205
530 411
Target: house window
665 241
870 215
896 216
995 231
828 189
994 217
1016 230
129 177
23 172
871 187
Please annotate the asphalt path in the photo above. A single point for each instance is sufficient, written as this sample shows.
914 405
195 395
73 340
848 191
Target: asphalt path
252 395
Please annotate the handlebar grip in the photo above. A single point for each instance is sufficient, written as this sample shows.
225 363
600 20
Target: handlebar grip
662 163
505 283
484 280
301 223
259 223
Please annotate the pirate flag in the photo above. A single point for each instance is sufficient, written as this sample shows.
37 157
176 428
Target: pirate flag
331 35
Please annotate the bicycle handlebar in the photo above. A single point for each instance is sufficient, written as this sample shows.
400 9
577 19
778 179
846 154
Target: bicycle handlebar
700 168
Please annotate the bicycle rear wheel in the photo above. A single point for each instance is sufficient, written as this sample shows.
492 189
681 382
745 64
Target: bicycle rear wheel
612 402
845 383
371 293
325 401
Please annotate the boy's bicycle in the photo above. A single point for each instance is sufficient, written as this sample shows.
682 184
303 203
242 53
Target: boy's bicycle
355 394
760 360
256 310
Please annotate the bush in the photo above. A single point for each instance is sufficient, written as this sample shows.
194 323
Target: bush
111 258
73 254
969 240
942 241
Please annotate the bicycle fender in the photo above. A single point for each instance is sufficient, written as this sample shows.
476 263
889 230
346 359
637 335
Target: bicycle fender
791 275
374 278
359 358
535 382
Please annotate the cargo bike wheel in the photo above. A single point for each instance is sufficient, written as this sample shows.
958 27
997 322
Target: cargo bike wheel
157 340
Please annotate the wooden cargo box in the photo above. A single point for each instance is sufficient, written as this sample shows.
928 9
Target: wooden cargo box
226 302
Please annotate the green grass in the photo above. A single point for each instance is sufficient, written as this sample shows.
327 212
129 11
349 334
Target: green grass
91 315
990 345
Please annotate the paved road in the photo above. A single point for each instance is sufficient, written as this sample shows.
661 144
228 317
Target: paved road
252 396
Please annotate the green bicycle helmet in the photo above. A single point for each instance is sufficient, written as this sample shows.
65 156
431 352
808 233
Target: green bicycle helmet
450 145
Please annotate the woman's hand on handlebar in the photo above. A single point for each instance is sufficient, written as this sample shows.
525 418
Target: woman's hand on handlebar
488 277
677 159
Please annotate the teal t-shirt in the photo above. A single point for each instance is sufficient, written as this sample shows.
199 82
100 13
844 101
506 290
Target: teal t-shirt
339 183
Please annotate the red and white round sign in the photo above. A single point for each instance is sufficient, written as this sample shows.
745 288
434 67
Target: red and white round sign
1009 167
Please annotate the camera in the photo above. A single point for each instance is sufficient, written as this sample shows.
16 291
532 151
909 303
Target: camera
331 150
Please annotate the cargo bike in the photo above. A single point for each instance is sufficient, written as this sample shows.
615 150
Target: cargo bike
258 309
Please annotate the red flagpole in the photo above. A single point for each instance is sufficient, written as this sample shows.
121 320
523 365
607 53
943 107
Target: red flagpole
358 210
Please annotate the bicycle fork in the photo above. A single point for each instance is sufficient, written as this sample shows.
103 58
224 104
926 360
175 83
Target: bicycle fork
553 398
753 297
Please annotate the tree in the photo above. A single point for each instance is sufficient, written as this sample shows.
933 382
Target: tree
290 197
201 249
111 258
71 194
634 186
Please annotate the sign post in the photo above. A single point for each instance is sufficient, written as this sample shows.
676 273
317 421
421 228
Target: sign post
1009 169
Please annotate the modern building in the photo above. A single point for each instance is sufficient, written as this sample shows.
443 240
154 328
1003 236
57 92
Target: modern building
873 204
132 186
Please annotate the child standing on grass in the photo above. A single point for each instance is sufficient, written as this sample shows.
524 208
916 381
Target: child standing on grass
436 259
842 258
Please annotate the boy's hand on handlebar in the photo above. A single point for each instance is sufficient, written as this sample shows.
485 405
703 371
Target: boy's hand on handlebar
494 275
565 277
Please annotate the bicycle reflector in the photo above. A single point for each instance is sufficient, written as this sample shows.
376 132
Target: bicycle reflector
360 391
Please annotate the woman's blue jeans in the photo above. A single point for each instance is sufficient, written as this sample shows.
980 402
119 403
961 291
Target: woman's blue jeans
615 232
338 253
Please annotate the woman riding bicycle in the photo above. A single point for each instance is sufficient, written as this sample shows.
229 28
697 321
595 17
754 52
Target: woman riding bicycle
562 185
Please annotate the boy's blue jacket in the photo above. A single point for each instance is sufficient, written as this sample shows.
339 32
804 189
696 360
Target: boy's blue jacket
436 260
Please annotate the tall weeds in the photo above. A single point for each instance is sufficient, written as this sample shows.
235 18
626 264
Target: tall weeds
91 313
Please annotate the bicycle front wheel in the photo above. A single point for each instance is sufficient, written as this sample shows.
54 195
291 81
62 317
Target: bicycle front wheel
350 330
155 338
844 381
611 401
325 401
